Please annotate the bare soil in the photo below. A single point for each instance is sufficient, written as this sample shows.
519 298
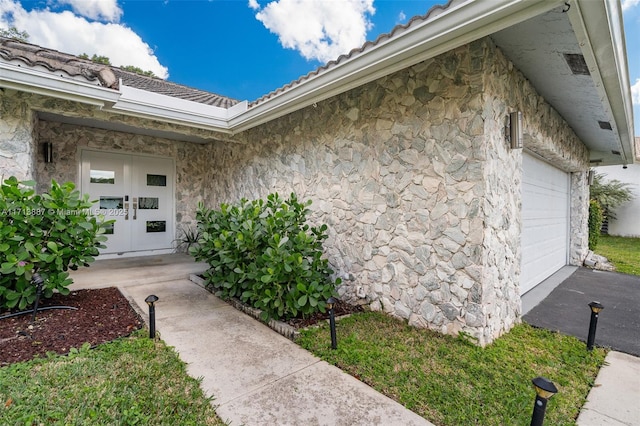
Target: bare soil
102 315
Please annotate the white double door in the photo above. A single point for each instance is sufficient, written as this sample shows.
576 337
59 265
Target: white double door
137 192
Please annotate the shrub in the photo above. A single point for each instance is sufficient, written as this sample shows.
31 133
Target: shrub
595 223
48 233
265 254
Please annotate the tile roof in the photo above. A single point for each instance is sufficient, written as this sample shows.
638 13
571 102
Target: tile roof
54 61
32 55
397 30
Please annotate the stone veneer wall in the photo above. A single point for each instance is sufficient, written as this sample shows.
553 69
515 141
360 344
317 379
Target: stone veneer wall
414 178
17 139
191 167
411 172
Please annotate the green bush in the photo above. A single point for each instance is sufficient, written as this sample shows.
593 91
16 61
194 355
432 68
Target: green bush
48 233
595 223
265 254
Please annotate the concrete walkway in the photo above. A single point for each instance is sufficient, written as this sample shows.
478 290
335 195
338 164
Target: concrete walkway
256 376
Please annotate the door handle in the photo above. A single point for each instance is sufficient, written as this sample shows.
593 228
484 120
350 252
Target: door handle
135 208
126 211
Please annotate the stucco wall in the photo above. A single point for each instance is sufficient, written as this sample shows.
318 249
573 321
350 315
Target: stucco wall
627 221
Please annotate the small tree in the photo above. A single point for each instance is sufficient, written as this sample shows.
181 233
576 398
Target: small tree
49 234
610 194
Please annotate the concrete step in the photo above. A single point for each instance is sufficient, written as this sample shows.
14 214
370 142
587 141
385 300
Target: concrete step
135 271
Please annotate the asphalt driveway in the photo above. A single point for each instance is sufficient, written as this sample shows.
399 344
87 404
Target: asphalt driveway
566 309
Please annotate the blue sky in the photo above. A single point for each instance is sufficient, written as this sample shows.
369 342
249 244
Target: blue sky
238 48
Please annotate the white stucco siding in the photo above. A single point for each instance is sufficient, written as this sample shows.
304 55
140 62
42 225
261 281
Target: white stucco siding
627 221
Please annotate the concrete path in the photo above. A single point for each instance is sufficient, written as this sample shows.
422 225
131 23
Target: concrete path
257 376
615 398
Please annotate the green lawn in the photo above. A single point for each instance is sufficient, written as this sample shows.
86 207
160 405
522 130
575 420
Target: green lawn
450 381
622 252
126 382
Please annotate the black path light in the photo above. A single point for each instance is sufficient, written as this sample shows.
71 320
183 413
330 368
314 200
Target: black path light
332 322
38 281
545 389
151 300
596 307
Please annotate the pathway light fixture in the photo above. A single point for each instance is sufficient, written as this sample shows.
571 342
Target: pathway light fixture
332 322
596 307
545 389
151 300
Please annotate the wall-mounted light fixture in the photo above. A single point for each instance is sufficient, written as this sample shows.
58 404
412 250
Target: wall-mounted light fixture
514 130
590 176
47 149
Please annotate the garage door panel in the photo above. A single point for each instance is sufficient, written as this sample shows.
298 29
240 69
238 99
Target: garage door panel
545 218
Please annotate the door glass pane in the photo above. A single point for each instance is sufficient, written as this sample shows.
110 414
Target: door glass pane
148 203
108 229
110 203
156 226
156 180
102 176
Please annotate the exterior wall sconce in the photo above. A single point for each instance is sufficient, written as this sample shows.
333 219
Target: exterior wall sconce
590 177
514 130
47 149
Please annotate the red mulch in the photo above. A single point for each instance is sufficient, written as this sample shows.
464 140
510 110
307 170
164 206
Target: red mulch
340 308
103 315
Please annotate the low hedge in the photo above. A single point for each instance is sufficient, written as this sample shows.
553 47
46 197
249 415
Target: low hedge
265 254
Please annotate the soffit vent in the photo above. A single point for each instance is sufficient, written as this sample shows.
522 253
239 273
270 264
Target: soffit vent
605 125
615 152
576 63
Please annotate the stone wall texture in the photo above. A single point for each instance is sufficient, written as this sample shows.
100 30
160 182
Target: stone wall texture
412 173
415 179
18 148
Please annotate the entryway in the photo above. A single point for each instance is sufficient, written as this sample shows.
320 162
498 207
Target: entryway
137 192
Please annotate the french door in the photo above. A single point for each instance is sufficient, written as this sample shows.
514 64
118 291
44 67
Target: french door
137 192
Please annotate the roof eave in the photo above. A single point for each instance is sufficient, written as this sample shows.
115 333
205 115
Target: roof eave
31 81
454 27
599 29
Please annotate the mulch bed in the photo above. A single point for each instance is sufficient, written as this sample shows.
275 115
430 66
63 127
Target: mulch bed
102 316
340 308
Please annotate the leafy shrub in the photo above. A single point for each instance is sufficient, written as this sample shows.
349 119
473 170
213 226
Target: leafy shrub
595 223
48 233
265 254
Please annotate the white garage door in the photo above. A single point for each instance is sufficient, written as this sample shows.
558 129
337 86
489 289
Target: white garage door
545 221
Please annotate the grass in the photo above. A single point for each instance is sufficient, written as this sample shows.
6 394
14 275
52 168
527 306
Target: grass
130 381
622 252
450 381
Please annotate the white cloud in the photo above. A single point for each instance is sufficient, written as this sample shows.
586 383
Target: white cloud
401 17
635 92
73 34
253 4
318 29
628 4
98 10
